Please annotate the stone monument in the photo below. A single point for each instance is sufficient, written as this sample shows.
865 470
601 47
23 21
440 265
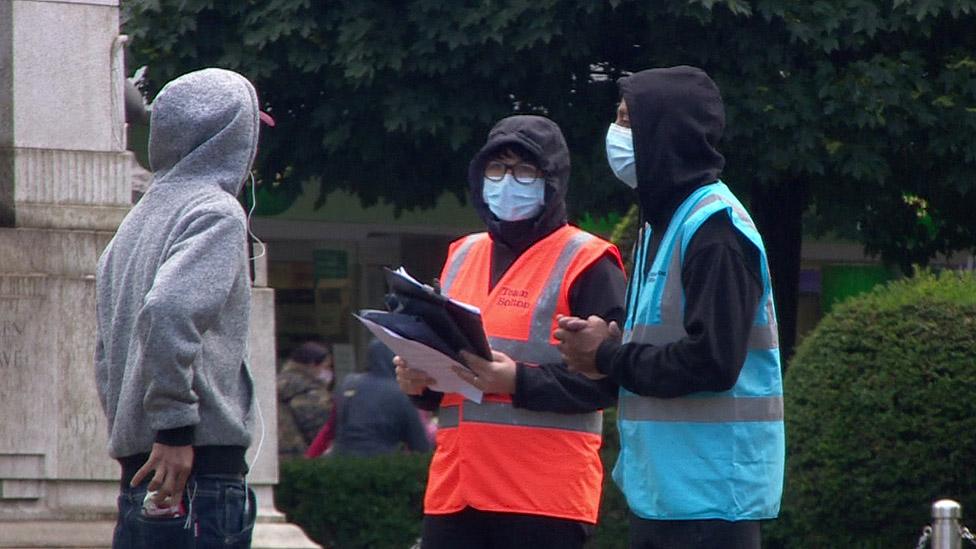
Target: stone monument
64 188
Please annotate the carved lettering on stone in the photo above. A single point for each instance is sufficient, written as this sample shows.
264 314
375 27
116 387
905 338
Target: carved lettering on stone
19 299
21 305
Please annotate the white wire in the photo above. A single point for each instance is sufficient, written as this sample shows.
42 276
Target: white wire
250 213
254 203
257 401
257 454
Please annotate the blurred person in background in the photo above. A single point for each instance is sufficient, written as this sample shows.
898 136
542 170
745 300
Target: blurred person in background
305 385
372 416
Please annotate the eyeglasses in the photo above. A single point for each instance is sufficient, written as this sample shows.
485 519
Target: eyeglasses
522 172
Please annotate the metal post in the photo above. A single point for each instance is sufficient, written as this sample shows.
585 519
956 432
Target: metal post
945 524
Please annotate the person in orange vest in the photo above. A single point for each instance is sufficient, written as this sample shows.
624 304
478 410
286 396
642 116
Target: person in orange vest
520 469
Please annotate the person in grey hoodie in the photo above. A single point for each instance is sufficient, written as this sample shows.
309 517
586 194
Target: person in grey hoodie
173 298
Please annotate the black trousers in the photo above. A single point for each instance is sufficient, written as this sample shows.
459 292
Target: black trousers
474 529
693 534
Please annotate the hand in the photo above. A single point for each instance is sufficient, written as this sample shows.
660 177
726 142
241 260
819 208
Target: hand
579 340
571 323
171 466
412 382
496 376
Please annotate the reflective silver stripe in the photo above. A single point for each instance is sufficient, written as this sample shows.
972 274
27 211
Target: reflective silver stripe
672 300
535 352
458 260
742 214
447 416
760 337
701 410
503 413
771 313
710 199
764 337
545 307
537 348
658 334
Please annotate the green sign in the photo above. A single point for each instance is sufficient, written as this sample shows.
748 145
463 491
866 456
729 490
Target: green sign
843 281
330 264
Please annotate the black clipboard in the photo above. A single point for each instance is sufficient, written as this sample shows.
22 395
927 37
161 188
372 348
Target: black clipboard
411 327
458 324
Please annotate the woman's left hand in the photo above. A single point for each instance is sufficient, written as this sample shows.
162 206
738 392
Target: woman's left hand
495 376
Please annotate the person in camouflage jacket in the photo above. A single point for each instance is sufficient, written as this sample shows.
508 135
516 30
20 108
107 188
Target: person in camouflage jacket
305 385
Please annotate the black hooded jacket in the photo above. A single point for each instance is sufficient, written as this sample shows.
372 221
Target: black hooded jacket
598 291
373 417
677 118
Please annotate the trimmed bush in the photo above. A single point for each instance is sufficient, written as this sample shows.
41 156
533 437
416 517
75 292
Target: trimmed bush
611 530
348 503
351 503
881 416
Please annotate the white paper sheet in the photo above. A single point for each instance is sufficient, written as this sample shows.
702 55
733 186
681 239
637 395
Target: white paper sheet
421 357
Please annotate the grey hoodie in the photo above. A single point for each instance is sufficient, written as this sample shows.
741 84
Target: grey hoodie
173 289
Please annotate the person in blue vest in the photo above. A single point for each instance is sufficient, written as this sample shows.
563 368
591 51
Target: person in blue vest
697 361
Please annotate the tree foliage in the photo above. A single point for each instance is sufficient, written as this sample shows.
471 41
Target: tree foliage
867 105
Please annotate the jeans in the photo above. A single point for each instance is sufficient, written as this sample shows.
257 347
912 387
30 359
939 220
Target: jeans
220 514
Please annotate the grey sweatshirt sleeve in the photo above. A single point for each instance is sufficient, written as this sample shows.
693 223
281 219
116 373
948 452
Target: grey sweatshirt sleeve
101 358
188 293
101 370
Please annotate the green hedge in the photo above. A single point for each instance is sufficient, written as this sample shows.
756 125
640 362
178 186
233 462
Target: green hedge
881 416
351 503
611 531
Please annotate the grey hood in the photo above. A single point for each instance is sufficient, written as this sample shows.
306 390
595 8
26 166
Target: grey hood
204 126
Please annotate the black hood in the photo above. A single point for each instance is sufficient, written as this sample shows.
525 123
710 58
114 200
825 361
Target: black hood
543 139
677 118
379 360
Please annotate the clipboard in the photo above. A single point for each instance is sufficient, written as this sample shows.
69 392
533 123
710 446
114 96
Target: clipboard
457 324
420 355
412 328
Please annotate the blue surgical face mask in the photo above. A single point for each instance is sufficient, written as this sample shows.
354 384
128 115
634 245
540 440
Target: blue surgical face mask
510 200
620 154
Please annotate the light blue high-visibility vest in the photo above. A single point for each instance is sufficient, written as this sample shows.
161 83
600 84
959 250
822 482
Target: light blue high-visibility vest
708 455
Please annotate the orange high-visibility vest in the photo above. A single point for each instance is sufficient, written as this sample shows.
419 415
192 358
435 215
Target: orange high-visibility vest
493 456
